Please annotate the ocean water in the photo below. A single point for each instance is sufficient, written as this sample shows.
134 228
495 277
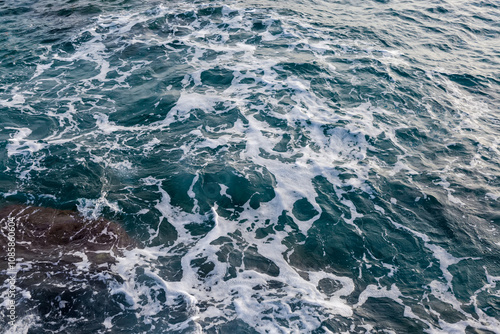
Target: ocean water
299 166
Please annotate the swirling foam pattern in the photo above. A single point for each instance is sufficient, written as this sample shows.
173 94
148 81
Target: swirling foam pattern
289 166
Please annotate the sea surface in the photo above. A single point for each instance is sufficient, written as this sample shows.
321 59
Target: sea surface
299 166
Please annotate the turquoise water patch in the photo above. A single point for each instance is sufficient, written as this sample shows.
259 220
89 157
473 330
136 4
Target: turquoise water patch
285 167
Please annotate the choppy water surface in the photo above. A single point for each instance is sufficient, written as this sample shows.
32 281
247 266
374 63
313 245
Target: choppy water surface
288 167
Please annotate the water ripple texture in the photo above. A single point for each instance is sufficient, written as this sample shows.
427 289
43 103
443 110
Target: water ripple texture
286 166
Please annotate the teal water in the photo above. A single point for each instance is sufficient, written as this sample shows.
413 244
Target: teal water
287 166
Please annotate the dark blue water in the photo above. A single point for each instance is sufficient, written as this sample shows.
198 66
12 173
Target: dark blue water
286 166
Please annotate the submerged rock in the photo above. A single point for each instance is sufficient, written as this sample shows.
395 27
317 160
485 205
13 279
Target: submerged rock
65 269
47 236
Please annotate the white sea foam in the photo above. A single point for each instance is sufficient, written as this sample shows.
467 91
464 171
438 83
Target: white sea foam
19 144
324 138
